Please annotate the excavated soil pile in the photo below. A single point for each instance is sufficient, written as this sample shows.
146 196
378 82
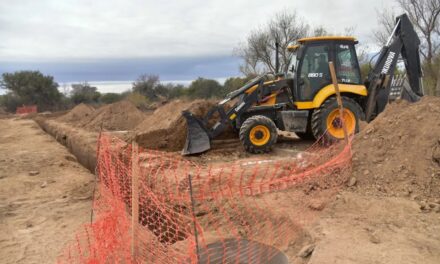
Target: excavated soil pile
118 116
122 115
79 113
398 154
166 128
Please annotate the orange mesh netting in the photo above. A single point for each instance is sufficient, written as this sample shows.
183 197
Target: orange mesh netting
26 109
249 211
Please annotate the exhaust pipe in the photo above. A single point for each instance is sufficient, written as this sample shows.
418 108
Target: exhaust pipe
277 57
197 138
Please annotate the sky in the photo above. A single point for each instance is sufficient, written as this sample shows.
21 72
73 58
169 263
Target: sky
117 40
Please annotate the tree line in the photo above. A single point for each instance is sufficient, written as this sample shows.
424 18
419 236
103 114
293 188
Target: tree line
35 88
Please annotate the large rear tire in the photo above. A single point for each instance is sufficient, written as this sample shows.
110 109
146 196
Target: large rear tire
258 134
326 121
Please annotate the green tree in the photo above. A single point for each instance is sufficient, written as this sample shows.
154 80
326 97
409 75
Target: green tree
234 83
84 93
109 98
162 91
146 85
31 88
10 101
205 88
176 91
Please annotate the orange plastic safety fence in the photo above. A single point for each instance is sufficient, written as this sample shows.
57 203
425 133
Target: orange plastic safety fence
26 110
248 211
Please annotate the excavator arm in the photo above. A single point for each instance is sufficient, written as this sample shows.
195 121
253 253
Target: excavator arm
403 42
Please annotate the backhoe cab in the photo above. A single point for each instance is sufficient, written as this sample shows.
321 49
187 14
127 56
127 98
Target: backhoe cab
303 100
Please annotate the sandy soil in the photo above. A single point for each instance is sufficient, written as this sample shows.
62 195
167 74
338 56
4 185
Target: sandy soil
398 153
365 229
38 213
353 221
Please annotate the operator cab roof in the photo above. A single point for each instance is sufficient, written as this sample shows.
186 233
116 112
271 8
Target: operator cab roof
301 41
324 38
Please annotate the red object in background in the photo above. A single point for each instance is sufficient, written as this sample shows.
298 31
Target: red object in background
26 109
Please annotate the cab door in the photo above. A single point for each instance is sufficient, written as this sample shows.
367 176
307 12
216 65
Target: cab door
313 71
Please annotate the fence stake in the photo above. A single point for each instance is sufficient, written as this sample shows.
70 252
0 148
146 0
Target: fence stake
134 196
194 217
339 99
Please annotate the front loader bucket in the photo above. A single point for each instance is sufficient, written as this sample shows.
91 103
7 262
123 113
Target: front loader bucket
197 138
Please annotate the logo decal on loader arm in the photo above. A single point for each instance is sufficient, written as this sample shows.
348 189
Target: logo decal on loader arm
388 62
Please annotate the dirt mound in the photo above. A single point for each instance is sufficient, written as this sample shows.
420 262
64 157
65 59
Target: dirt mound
122 115
79 113
165 129
398 153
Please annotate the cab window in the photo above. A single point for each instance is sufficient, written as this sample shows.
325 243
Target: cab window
347 69
314 72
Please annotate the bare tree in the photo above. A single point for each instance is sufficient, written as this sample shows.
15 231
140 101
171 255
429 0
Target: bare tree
320 31
258 51
386 20
424 14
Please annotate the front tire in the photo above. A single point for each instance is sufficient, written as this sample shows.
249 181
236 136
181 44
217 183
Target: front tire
326 121
258 134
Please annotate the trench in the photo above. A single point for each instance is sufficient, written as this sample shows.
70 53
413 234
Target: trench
83 145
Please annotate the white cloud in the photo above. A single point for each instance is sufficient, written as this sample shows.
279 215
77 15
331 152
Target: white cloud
69 29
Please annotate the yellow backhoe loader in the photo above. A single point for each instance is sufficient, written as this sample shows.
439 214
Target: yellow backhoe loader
303 100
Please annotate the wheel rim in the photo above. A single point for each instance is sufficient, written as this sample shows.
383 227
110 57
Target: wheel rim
334 123
259 135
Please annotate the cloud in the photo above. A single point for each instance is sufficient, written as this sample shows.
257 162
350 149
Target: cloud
129 69
79 29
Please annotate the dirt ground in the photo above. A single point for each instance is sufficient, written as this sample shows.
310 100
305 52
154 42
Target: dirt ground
364 229
45 195
398 153
386 210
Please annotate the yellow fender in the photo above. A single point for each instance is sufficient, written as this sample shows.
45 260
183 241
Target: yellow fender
328 91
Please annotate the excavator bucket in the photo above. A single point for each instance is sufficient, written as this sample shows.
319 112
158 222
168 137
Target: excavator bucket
197 138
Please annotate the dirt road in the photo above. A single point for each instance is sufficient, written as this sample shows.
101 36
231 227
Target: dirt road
45 195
